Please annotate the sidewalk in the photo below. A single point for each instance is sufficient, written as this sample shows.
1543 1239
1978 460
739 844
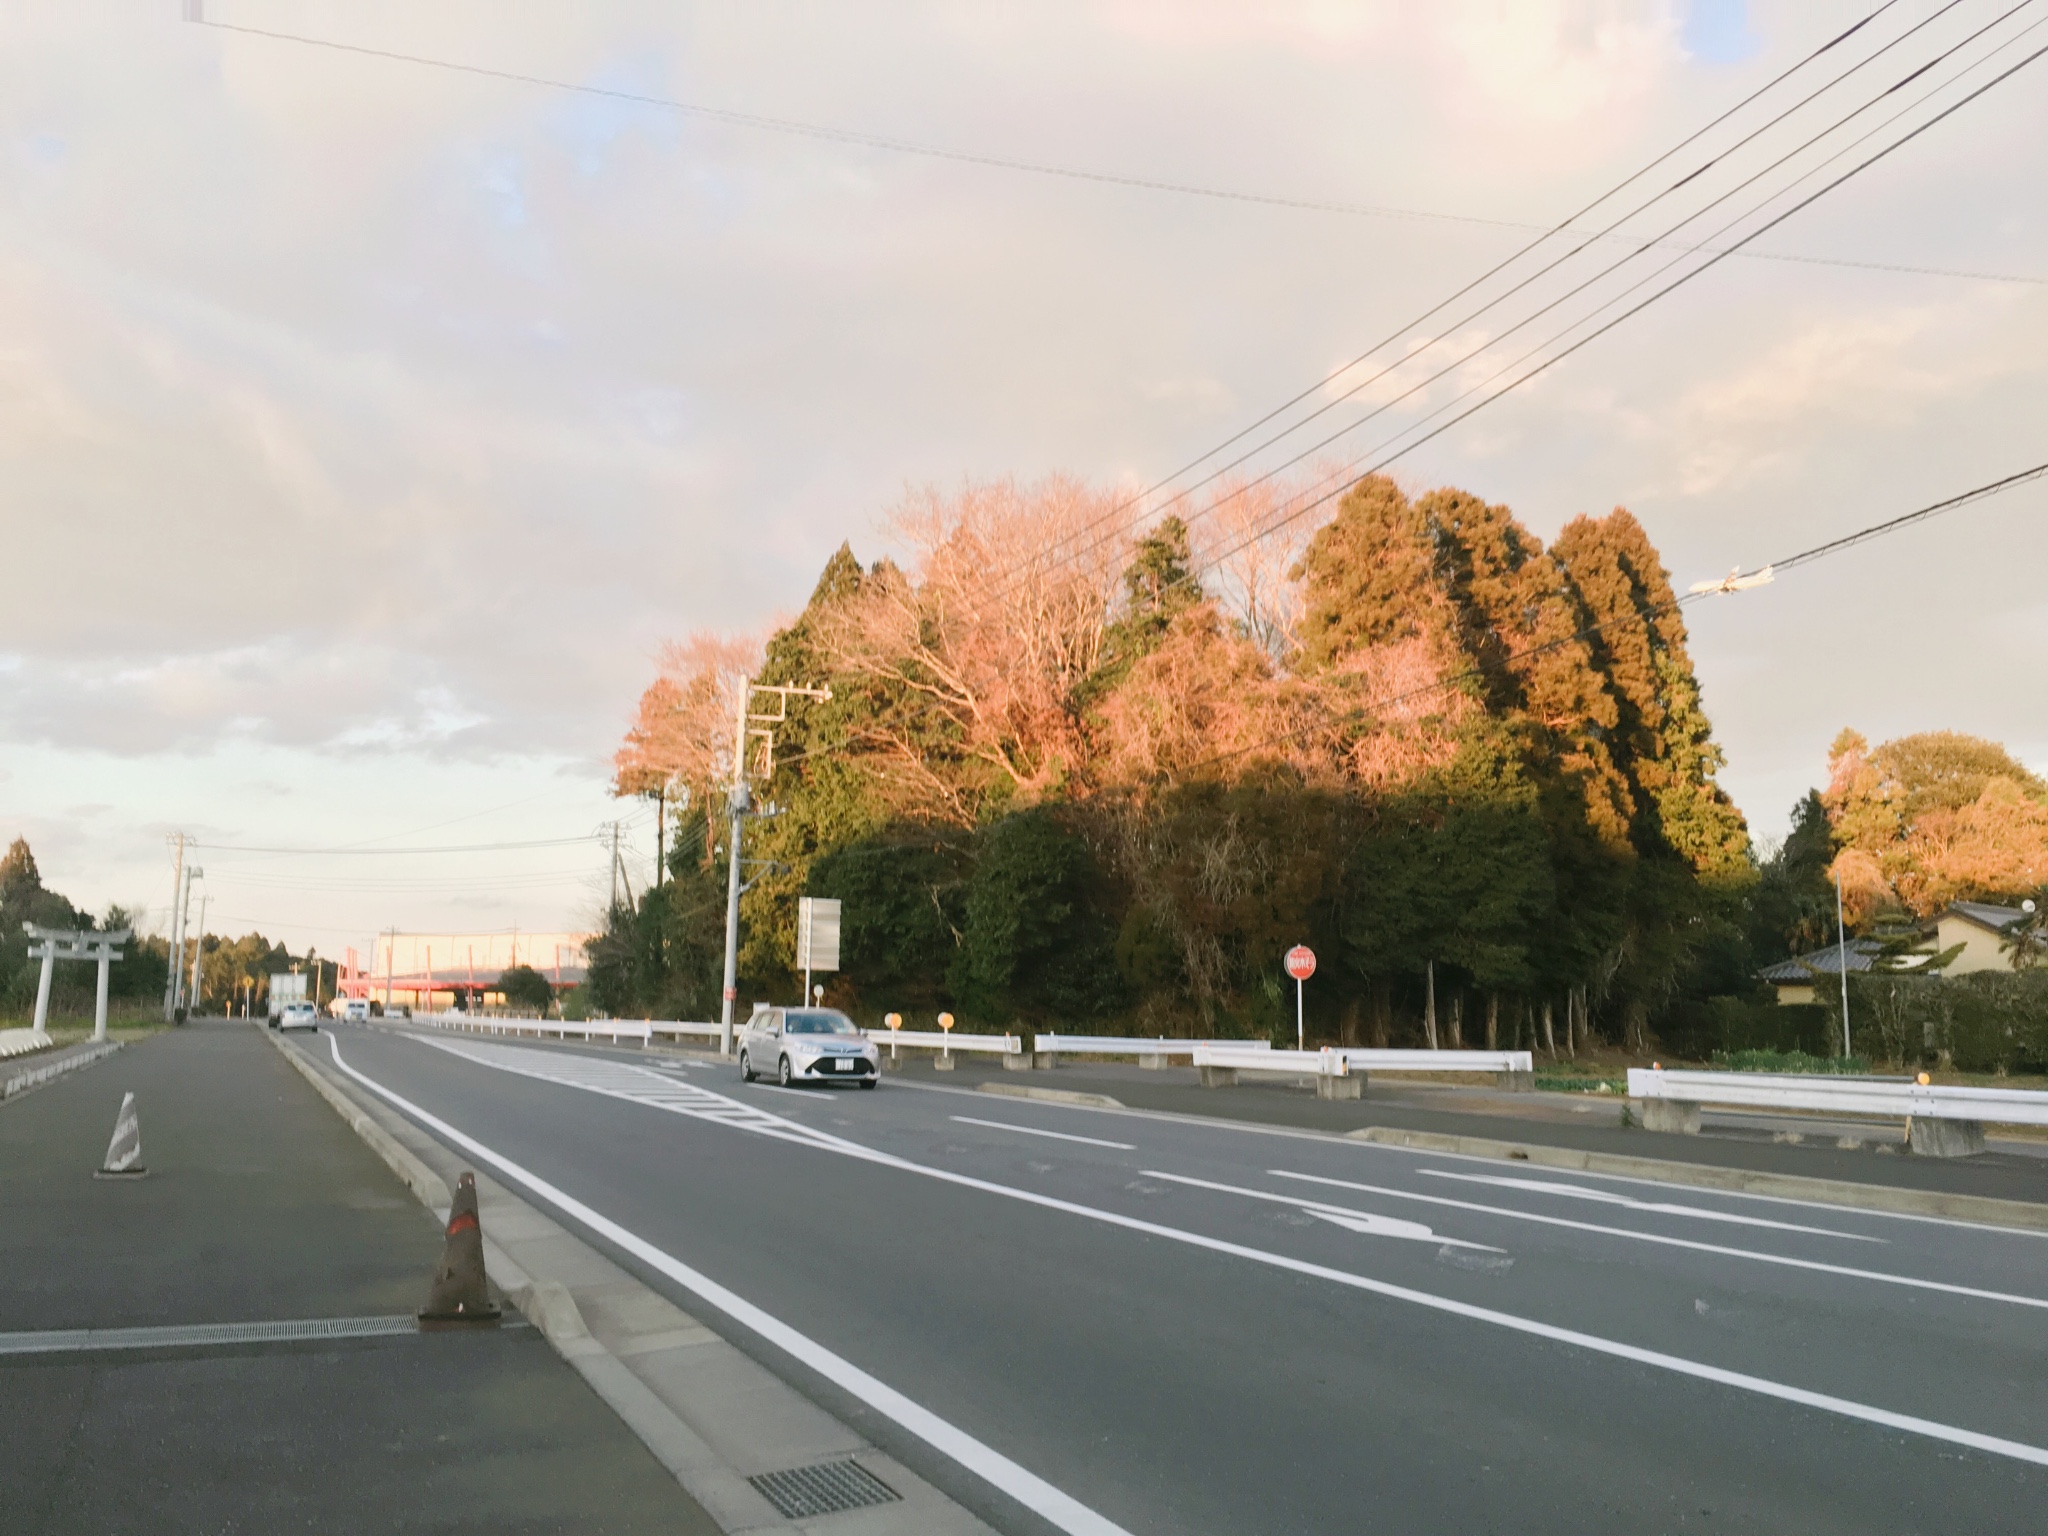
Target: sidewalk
261 1205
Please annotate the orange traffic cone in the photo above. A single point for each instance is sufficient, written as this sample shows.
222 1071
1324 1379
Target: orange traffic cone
461 1296
124 1152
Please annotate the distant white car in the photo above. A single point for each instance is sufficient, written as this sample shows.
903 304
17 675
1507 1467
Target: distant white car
807 1045
353 1010
298 1016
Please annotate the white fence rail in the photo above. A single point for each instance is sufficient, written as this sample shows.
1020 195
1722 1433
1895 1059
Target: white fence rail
1841 1095
1335 1062
19 1042
1441 1061
1047 1043
640 1031
936 1040
1241 1057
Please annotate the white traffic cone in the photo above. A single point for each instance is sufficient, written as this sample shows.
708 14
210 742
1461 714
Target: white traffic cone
124 1152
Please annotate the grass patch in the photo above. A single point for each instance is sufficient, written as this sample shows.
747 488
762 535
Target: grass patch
1789 1061
1548 1083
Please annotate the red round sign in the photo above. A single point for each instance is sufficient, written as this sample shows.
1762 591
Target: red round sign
1301 962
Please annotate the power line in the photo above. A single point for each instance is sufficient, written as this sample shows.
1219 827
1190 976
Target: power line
1602 330
1108 532
1788 563
855 137
1499 267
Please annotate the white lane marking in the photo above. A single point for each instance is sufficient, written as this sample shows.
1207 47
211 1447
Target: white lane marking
1677 1364
1032 1130
1629 1202
1672 1242
636 1084
1336 1139
1346 1216
1027 1488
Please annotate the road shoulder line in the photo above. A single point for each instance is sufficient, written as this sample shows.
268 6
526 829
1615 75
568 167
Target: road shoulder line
1981 1209
657 1367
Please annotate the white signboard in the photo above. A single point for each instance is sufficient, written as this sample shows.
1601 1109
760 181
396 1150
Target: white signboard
817 933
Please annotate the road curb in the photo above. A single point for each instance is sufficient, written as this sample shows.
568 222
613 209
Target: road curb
28 1079
1051 1095
431 1188
659 1336
1982 1209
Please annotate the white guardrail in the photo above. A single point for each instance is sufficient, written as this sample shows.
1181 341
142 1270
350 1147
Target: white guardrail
642 1031
1841 1095
1335 1062
943 1040
1047 1043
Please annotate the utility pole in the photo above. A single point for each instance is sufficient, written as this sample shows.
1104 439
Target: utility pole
1842 961
745 724
179 998
390 959
198 950
177 840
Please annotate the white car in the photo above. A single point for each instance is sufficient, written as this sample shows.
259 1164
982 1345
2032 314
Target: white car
298 1016
355 1010
807 1045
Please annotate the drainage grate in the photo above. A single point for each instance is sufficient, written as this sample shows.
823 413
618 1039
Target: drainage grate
824 1489
200 1335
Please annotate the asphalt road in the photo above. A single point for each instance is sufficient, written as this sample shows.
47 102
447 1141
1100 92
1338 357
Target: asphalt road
1201 1327
261 1205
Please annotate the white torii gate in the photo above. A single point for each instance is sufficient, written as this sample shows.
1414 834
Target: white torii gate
54 944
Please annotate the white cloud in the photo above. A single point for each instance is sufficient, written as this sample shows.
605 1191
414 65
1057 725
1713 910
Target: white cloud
364 424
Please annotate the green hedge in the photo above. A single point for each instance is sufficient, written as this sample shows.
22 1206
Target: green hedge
1698 1030
1989 1021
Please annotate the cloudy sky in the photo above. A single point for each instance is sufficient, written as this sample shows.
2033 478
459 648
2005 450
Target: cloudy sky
366 425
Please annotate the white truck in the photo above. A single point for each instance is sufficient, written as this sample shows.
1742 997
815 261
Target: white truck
285 987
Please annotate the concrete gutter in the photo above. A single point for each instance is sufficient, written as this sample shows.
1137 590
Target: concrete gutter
1843 1192
709 1413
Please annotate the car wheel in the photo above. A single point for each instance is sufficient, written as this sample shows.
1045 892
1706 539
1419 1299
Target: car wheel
784 1073
746 1072
867 1082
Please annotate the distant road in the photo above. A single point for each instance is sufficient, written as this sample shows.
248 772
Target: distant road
1209 1328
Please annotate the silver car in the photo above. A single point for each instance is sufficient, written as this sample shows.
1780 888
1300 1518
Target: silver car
807 1045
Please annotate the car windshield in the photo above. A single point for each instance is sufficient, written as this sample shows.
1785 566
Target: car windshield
817 1021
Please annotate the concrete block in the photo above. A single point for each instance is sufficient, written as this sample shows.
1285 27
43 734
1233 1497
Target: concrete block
1219 1077
1016 1061
1044 1061
1155 1062
1352 1087
1673 1115
943 1062
1945 1138
1516 1082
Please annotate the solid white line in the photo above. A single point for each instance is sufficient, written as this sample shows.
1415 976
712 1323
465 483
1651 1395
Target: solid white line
1032 1130
1677 1364
1667 1242
1630 1203
1027 1488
